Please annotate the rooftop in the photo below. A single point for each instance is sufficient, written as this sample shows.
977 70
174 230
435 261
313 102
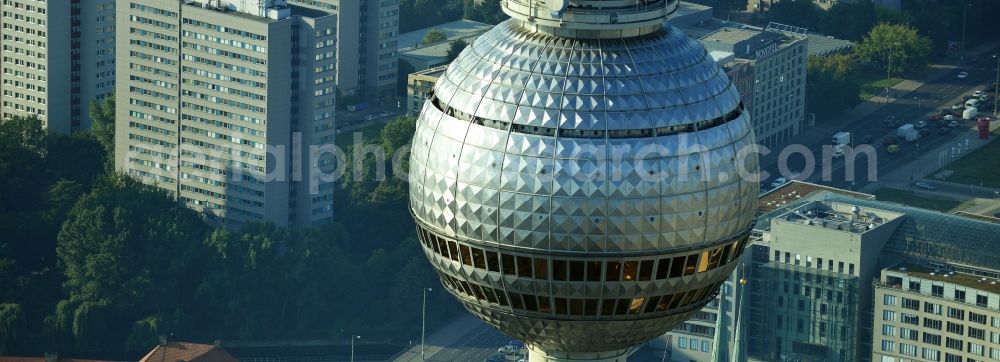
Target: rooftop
187 352
939 275
818 44
795 190
730 35
838 216
459 29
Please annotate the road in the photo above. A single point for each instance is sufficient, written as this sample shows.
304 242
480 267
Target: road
465 339
931 97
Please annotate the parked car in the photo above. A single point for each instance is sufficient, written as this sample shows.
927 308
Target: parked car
948 118
963 74
893 149
921 124
958 106
965 98
925 186
979 93
371 117
385 114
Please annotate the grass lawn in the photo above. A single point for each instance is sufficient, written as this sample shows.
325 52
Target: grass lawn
913 199
874 83
370 133
981 167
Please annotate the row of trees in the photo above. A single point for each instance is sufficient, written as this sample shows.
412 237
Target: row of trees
93 261
939 20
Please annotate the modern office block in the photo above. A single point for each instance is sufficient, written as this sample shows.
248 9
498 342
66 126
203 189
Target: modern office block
226 107
57 56
934 311
366 47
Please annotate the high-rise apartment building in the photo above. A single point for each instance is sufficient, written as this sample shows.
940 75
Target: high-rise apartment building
226 106
57 56
367 45
934 311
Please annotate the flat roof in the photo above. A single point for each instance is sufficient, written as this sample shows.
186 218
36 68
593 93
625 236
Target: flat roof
818 44
730 35
454 30
965 280
794 190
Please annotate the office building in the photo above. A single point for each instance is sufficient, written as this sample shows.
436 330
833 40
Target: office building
937 311
418 88
57 56
779 78
366 48
225 105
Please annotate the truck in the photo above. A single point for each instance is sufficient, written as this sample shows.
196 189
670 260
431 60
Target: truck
842 138
970 113
905 129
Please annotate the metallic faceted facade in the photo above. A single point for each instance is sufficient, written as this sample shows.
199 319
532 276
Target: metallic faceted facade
597 150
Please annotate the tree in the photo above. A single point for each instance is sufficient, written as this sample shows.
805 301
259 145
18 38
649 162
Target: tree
484 11
456 48
434 36
102 114
848 20
127 249
832 85
801 13
898 45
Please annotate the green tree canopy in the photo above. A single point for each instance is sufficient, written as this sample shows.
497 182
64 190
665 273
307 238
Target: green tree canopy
456 48
898 46
832 86
434 36
848 20
802 13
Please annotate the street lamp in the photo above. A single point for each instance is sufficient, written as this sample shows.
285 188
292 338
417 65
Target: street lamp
423 324
961 51
996 86
353 337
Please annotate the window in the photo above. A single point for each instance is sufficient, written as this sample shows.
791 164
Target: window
914 286
953 343
888 315
932 323
694 344
910 319
576 270
960 295
956 313
704 346
888 330
682 342
888 346
541 268
931 354
976 349
906 349
932 339
948 357
995 353
956 328
889 300
981 300
558 269
994 337
937 291
912 304
977 333
523 266
977 318
906 333
594 271
932 308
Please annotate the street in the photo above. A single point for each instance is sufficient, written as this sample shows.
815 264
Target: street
931 97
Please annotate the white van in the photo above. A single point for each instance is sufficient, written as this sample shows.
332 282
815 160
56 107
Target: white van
972 103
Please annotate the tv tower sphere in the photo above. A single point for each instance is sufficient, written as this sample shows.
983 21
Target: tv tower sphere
576 176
